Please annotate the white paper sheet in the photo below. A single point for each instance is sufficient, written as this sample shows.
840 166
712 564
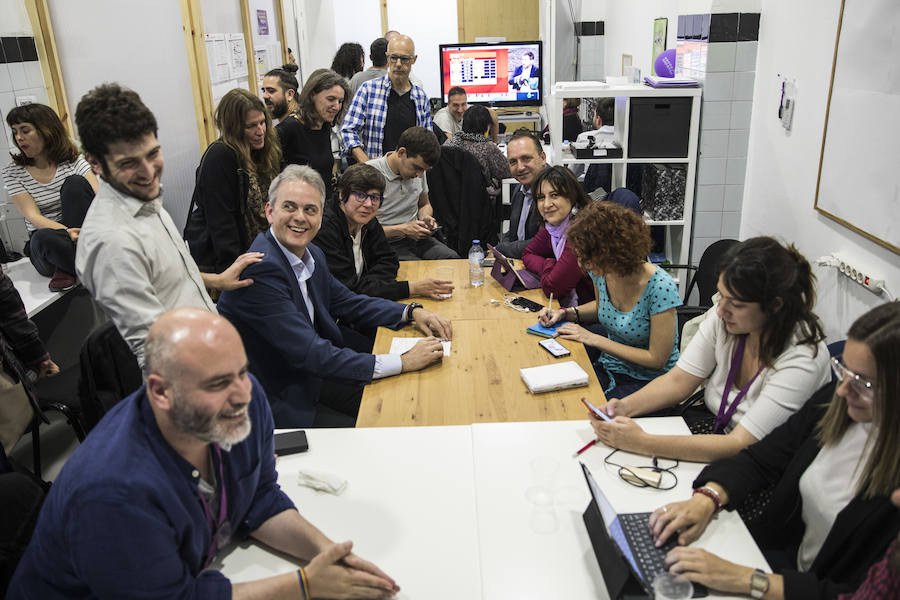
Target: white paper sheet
402 345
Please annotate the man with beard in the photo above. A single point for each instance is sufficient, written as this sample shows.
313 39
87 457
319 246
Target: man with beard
278 90
169 476
131 257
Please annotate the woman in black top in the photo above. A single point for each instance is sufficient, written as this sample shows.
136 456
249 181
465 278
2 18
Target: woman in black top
228 206
305 134
834 465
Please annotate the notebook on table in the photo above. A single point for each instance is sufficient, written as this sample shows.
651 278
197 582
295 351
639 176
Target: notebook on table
558 376
624 547
547 332
511 279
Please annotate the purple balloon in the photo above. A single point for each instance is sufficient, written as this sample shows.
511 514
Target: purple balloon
665 64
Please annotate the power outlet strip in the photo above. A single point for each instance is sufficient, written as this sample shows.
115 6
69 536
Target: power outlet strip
876 286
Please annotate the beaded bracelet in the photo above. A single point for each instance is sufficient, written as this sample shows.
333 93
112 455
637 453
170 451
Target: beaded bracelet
711 494
304 584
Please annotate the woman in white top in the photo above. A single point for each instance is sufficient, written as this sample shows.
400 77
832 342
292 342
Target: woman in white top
834 464
761 354
52 186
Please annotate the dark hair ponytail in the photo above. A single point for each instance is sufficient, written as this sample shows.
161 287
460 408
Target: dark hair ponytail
781 280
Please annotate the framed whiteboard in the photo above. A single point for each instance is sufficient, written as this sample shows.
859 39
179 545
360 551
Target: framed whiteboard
859 167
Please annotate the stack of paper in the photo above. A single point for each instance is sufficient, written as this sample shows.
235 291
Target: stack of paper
558 376
402 345
659 82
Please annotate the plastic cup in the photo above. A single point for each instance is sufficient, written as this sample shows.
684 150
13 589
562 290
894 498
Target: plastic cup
444 273
667 586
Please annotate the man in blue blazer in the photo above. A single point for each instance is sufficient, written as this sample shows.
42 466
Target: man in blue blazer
289 318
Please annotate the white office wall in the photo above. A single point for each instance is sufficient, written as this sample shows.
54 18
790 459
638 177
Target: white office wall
428 24
782 167
316 34
140 45
629 30
359 21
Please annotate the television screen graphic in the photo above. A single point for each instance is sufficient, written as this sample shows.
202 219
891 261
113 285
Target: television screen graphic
498 74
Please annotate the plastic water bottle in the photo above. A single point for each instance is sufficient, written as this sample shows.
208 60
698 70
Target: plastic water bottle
476 258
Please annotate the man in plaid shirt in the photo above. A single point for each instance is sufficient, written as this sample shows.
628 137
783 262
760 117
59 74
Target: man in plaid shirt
384 108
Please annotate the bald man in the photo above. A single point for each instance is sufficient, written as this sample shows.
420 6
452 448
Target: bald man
384 108
169 476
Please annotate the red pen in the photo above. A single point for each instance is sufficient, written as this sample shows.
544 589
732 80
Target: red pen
585 447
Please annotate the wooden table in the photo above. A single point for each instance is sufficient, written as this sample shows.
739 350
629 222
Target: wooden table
479 382
467 302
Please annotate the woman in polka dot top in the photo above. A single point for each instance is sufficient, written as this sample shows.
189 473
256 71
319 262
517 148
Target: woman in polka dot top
635 305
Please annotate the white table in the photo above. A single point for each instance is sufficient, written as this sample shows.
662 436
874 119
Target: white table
409 507
434 505
32 286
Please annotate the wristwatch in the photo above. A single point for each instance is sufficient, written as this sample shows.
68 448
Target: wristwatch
409 311
759 584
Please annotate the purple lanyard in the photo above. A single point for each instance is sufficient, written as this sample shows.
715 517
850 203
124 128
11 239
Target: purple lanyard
724 416
215 524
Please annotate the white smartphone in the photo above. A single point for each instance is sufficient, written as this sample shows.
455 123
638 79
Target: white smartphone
554 348
596 411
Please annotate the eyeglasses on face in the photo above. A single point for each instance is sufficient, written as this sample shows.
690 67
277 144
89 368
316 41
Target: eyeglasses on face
361 198
404 60
861 385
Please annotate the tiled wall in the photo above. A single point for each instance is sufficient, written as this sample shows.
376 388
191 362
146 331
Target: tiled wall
720 51
590 50
21 81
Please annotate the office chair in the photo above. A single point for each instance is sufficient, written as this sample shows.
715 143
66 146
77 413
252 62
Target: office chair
109 372
705 276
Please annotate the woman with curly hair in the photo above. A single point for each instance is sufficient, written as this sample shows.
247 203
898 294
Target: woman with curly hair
760 354
228 206
557 196
52 185
635 305
349 60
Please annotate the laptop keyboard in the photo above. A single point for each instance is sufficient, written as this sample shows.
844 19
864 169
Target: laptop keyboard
651 559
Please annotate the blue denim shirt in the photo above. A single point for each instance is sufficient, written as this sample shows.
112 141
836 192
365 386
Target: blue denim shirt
124 518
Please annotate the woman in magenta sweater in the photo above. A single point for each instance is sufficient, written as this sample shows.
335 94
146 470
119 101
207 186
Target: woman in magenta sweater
557 195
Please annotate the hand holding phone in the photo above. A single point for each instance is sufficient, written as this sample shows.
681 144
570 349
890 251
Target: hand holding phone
596 411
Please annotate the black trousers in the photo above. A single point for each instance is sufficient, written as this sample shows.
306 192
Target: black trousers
339 399
51 249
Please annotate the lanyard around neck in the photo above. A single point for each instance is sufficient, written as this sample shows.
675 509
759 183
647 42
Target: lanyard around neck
214 522
725 414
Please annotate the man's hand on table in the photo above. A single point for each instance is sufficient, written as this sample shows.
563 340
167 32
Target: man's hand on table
431 324
426 352
338 573
431 288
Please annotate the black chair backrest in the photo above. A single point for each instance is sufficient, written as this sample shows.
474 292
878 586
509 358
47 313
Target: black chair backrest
707 275
109 372
460 201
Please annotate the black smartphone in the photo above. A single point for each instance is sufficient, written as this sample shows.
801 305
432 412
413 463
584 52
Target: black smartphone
526 303
290 442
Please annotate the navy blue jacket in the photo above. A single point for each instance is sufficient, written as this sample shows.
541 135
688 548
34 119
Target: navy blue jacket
288 354
124 518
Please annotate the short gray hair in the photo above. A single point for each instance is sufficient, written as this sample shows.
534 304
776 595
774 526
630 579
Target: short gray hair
302 173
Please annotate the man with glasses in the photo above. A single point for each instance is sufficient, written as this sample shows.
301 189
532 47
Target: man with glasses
384 108
355 246
406 212
300 325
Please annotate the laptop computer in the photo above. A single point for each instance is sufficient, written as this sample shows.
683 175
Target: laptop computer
511 279
624 547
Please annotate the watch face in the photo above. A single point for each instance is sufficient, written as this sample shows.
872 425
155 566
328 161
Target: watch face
759 584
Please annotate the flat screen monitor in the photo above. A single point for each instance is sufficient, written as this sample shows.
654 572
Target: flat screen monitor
503 74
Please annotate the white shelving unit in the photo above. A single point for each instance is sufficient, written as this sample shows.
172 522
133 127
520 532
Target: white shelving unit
678 233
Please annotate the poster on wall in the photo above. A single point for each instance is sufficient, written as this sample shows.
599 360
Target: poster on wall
217 57
859 183
262 22
237 55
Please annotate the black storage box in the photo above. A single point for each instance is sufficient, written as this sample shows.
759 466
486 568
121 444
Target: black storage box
588 153
659 127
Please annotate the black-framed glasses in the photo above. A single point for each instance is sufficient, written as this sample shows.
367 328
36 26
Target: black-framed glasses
361 198
404 60
861 385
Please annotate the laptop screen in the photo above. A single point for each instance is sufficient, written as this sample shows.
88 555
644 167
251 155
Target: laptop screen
611 519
